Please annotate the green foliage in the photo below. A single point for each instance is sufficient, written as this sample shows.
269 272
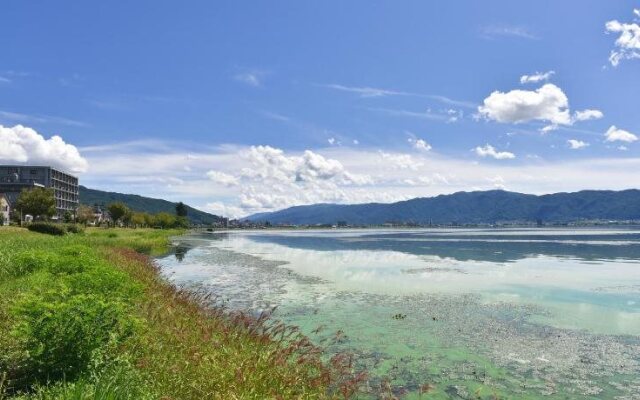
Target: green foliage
143 204
48 228
54 229
84 214
181 209
38 202
85 317
138 219
165 220
75 228
60 332
118 211
181 222
67 217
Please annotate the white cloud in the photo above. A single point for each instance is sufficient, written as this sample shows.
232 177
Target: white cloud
627 46
419 144
356 142
427 114
371 92
494 31
367 175
536 77
331 141
548 103
549 128
223 178
489 151
225 210
614 134
24 145
587 114
577 144
367 91
400 161
251 78
42 119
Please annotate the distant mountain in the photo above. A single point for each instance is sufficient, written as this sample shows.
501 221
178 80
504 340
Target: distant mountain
91 197
471 207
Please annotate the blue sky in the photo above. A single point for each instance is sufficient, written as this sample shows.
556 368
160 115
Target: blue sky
238 107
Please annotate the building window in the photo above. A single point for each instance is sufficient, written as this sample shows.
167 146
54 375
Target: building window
34 172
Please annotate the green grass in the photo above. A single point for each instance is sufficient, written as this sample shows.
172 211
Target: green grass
87 316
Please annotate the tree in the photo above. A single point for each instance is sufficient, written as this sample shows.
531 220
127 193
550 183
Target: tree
126 218
165 220
118 211
138 219
38 202
181 222
149 220
67 217
84 214
181 209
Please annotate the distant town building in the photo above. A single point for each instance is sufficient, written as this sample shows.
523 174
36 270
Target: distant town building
15 178
100 215
5 209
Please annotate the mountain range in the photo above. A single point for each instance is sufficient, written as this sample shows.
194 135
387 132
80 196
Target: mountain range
93 197
471 208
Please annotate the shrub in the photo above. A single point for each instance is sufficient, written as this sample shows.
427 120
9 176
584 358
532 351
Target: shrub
60 335
75 228
48 228
30 261
55 229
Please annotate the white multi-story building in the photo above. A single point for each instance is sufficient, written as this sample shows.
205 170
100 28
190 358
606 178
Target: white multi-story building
15 178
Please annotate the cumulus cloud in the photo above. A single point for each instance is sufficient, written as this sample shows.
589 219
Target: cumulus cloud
548 103
577 144
223 178
400 161
614 134
587 114
21 144
490 151
273 164
223 209
419 144
536 77
368 175
275 179
627 46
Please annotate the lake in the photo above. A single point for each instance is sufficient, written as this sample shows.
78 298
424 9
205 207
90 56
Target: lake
513 313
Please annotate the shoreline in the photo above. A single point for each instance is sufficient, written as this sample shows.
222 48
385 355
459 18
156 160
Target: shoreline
168 343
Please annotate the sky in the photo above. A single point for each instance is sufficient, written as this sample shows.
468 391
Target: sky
238 107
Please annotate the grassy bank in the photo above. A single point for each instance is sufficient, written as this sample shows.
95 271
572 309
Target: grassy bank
87 316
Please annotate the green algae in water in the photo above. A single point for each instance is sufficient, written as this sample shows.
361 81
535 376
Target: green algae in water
488 320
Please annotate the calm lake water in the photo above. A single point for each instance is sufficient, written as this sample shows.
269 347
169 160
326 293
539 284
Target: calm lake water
544 313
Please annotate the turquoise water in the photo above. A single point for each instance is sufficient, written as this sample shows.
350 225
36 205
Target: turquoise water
473 313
